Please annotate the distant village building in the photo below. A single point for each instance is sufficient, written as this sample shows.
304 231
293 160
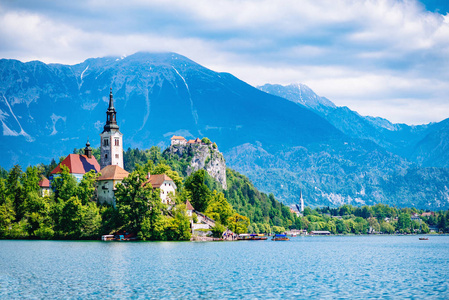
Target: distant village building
428 214
180 140
165 184
415 217
111 143
320 232
189 208
106 183
44 187
195 141
78 164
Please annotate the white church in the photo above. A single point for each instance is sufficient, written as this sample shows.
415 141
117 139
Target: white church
111 163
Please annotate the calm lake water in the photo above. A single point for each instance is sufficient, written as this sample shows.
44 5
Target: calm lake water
305 267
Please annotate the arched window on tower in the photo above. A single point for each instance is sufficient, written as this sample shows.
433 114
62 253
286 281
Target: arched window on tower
106 142
117 142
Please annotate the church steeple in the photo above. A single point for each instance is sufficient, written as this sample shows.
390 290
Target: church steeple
111 149
111 120
88 150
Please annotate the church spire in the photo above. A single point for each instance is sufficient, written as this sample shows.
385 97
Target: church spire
111 101
111 121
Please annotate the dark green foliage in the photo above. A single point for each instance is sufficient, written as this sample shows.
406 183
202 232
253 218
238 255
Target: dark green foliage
3 173
206 141
133 157
200 194
257 206
136 200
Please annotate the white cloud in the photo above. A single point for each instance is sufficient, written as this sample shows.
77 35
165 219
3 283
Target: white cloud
352 52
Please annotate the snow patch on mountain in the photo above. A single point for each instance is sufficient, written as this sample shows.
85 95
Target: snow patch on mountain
192 107
82 74
7 131
11 132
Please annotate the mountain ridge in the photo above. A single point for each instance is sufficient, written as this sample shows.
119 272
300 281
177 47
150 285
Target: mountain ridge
282 146
407 141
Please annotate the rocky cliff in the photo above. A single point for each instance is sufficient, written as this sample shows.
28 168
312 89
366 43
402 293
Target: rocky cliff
205 157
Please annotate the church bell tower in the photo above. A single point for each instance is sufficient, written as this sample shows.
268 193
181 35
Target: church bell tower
111 148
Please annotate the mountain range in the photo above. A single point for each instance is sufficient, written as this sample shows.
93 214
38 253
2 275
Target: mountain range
285 139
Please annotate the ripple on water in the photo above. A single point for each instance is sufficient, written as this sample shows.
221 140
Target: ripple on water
305 267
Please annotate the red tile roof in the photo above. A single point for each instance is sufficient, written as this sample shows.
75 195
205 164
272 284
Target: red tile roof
157 180
189 206
112 172
428 214
78 164
44 183
175 137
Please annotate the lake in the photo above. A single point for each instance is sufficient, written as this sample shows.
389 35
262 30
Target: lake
305 267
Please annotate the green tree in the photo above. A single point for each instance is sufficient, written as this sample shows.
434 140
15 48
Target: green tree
136 200
178 227
64 185
15 191
217 230
278 229
200 193
219 209
238 223
86 188
206 141
404 222
386 227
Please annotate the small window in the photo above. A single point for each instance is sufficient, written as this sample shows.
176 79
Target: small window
117 142
105 156
105 142
116 156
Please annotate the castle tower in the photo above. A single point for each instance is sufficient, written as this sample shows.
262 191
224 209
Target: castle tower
302 203
111 148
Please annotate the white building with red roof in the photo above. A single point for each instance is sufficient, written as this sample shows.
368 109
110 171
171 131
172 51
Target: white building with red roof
44 186
78 164
165 184
106 183
178 140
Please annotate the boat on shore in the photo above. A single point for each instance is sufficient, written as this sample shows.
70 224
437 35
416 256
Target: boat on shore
119 236
251 237
280 237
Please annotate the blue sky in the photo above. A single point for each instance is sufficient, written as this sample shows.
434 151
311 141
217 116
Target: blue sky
387 58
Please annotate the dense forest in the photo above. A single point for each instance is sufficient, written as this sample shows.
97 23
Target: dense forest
71 211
